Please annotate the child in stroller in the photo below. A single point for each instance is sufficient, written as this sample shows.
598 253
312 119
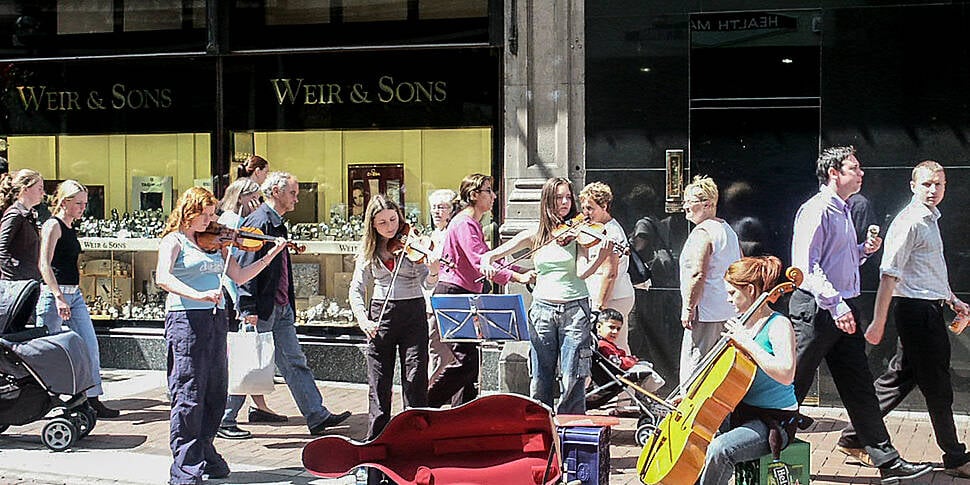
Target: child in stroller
612 365
40 373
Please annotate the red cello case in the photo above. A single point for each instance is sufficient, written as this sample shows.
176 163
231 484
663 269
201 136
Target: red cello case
497 439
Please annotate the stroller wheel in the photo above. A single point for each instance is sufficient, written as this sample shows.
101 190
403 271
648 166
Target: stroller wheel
59 434
643 433
84 420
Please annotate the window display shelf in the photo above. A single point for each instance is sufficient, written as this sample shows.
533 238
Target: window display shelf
151 244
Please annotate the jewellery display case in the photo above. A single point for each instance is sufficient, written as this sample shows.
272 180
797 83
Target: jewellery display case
118 282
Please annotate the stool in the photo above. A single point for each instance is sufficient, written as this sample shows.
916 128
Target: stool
797 456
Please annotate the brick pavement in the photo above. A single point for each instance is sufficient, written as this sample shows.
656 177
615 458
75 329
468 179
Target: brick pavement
143 429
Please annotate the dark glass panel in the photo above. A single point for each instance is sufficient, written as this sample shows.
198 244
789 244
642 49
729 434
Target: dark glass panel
764 164
270 25
905 100
636 94
56 28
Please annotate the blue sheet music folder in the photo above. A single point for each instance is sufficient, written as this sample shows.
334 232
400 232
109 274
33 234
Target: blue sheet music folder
464 318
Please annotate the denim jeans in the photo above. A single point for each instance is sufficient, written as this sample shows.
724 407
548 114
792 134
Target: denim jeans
291 362
560 333
743 443
80 323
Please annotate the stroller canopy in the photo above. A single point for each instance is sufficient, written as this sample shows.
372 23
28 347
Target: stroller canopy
18 300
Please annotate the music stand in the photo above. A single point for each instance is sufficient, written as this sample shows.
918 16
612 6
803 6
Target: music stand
480 318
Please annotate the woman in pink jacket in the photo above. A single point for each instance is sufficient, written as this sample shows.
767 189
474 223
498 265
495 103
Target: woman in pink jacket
463 246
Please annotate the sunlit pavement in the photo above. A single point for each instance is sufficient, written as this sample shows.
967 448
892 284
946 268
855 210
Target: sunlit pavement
133 449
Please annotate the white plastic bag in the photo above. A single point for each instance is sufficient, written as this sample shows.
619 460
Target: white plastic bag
251 368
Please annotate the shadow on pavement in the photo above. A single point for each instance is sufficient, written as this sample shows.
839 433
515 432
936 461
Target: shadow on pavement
287 475
825 425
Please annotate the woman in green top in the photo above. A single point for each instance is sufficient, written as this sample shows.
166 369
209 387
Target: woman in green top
559 320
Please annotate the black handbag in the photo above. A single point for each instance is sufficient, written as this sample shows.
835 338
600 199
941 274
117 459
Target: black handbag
638 270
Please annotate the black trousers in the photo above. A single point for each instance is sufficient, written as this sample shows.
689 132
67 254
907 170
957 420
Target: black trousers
818 338
401 334
922 359
458 382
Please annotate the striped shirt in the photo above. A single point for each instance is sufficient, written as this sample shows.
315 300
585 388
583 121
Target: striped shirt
914 254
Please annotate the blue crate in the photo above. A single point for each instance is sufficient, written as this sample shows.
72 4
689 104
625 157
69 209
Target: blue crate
586 454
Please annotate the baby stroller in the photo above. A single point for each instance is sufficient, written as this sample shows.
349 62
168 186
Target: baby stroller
40 373
608 381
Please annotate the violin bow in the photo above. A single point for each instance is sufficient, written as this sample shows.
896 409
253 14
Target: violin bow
794 280
397 266
225 262
509 264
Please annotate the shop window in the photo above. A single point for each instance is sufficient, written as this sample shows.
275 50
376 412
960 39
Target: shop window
132 183
374 10
84 17
299 12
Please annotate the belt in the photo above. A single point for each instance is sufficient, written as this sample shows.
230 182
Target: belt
564 305
65 289
940 302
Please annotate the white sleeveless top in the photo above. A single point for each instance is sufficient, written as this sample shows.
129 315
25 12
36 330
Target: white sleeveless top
622 287
713 306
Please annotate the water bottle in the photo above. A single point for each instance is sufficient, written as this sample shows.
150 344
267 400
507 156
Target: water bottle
959 323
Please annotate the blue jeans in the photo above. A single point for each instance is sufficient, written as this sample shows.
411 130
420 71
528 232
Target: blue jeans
746 442
560 334
291 362
80 323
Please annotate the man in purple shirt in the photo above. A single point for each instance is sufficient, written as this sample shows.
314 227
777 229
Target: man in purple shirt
824 311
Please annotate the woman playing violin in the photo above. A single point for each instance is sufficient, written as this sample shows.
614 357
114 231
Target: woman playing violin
559 319
464 246
195 334
396 322
610 286
762 421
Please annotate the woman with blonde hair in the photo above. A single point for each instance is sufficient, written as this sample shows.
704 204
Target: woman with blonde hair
710 248
20 192
195 333
395 322
241 198
61 302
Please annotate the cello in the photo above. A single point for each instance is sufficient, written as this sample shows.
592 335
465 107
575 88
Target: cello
675 452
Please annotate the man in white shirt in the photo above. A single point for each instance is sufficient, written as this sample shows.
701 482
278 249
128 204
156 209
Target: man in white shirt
913 277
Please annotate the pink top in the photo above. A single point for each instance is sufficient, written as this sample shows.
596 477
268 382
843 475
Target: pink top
464 245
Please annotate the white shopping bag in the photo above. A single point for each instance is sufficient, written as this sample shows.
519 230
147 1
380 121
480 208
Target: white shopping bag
251 368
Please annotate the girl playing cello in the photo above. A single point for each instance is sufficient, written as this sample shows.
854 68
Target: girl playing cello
771 398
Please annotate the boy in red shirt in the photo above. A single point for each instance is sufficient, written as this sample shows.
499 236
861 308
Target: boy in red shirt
608 328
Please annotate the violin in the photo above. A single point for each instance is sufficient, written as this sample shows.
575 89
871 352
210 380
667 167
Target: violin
586 233
675 452
415 248
249 239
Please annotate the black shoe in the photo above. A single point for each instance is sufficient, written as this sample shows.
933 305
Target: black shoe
900 469
217 472
233 433
101 410
257 415
332 420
